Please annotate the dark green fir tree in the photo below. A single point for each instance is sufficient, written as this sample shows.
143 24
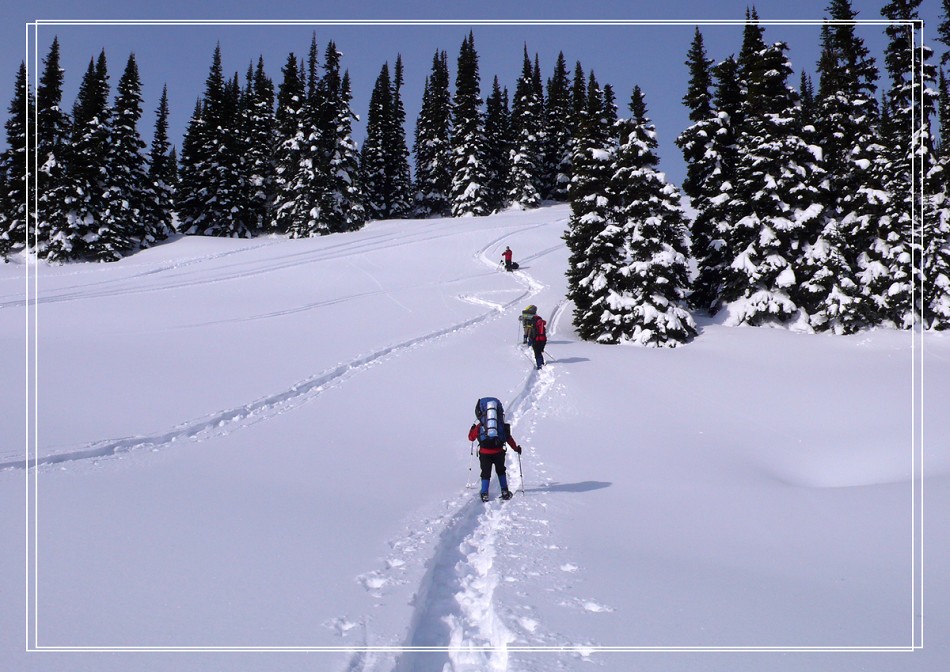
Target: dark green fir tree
433 144
17 172
469 191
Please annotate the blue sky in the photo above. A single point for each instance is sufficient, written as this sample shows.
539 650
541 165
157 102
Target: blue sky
650 56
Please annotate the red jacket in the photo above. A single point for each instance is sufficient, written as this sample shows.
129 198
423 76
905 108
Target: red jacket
473 434
507 255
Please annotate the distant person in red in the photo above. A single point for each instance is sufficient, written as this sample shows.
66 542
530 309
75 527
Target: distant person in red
506 255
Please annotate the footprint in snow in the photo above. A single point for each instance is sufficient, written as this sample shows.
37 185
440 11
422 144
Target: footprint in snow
340 625
372 581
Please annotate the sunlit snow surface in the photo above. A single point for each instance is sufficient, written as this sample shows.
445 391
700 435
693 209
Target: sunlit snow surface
262 443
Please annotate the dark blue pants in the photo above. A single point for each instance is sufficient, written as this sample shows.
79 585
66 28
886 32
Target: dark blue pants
538 353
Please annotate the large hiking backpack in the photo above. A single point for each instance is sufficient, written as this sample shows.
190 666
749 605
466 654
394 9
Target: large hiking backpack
539 330
528 314
492 430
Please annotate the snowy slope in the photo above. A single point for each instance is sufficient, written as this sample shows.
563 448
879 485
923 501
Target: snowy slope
261 444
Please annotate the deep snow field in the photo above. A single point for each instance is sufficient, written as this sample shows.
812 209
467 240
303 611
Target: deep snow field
254 458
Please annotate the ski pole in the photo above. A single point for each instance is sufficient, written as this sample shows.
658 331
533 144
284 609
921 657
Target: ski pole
521 473
468 483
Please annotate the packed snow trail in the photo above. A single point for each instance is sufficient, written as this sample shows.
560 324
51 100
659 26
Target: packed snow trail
456 604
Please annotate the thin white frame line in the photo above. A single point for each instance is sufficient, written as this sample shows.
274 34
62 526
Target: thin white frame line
446 649
467 22
26 346
35 365
914 24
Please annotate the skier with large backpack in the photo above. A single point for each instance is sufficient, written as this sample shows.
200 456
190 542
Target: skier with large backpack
492 433
527 318
538 338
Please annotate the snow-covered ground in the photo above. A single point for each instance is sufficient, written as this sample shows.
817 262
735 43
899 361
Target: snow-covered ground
261 444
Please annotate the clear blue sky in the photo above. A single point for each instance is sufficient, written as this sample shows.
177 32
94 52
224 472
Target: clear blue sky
649 56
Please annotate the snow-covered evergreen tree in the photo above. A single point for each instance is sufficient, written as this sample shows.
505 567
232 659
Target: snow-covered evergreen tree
469 190
313 144
52 149
699 144
777 196
343 201
84 235
713 180
592 233
527 157
329 196
558 136
846 123
376 186
433 147
578 101
288 123
498 146
259 141
937 186
908 155
16 161
397 154
647 292
384 159
129 198
162 177
214 201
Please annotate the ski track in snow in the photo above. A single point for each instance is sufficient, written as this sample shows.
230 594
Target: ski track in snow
455 605
225 421
456 616
168 276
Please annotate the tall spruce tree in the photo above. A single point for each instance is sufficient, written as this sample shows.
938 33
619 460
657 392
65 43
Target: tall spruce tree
648 289
259 141
130 196
498 146
313 144
341 201
591 226
527 157
908 155
397 158
702 162
288 122
433 145
469 190
937 284
17 171
846 122
215 201
53 129
376 187
84 235
578 100
777 195
162 176
558 136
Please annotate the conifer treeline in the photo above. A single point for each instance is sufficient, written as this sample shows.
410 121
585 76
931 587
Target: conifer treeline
807 207
259 159
806 210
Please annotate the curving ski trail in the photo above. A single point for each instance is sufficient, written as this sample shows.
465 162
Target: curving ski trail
455 603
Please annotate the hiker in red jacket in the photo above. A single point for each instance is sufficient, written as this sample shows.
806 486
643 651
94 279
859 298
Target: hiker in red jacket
538 338
492 433
506 255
